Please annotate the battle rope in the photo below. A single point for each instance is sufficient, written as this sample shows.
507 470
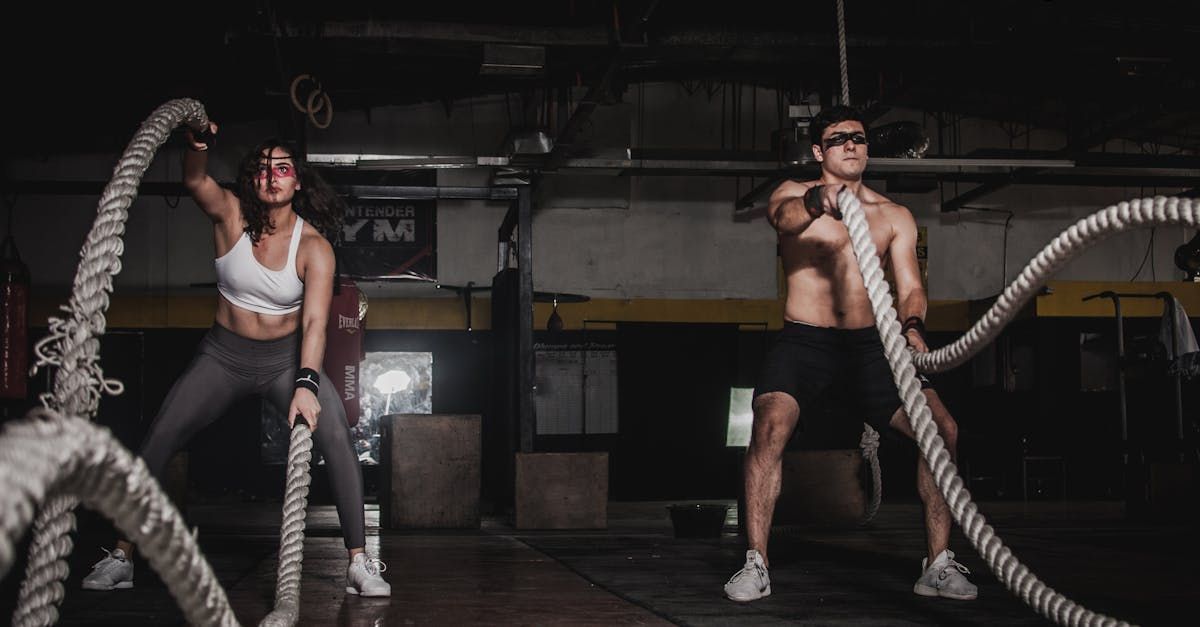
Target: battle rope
869 443
843 65
291 533
1112 220
73 347
45 451
73 344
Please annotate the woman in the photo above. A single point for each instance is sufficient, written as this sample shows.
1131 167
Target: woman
275 278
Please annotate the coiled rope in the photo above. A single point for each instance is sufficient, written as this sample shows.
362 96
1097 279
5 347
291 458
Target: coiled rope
1088 231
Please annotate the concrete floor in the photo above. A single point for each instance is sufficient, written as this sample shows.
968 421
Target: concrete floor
637 573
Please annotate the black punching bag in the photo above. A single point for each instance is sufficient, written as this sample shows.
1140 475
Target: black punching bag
14 322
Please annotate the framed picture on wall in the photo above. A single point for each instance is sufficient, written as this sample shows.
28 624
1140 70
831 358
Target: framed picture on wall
389 239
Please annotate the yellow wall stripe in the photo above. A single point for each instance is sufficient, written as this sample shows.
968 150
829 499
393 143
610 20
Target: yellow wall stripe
1066 299
197 310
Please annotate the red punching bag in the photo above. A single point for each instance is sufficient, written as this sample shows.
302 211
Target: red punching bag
344 344
14 322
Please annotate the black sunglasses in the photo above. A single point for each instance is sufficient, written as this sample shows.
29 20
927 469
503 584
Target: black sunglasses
837 139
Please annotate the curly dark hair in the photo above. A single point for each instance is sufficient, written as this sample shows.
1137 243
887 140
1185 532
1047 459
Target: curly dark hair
315 201
832 115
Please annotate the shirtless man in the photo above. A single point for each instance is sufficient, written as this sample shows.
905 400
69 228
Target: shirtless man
829 339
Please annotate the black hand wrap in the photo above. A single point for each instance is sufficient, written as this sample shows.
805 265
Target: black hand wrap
308 379
914 322
203 136
812 201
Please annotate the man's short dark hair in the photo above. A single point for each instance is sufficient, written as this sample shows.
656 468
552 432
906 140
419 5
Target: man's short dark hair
830 116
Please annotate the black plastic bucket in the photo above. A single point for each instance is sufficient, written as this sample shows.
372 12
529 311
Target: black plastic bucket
698 520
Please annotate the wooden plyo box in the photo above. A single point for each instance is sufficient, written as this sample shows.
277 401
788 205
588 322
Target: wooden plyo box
429 474
821 488
562 491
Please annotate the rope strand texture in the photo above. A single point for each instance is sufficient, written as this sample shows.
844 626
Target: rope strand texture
843 64
73 347
1114 219
291 535
72 344
869 445
1007 568
45 451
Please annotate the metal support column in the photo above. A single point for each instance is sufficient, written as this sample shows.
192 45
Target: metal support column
525 409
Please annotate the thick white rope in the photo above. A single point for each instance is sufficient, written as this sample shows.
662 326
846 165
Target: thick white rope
869 445
1008 569
1114 219
843 65
73 347
45 451
291 534
72 344
46 568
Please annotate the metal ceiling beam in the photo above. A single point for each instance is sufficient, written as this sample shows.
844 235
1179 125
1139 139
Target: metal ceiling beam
454 32
1084 178
597 36
1101 170
376 192
1098 159
1080 144
1079 176
994 170
583 110
706 160
408 192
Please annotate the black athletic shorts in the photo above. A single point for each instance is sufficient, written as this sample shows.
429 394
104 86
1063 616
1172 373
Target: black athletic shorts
806 361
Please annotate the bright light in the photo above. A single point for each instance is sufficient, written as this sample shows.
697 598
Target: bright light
741 417
392 381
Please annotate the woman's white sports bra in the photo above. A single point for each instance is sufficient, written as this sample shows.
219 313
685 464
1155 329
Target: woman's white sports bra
243 281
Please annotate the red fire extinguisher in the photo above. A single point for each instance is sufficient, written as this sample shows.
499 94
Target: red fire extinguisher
14 322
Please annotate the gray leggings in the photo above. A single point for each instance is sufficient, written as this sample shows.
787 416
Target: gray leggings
229 367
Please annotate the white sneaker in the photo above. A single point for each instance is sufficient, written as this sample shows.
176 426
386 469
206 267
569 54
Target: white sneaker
114 572
945 578
751 582
362 577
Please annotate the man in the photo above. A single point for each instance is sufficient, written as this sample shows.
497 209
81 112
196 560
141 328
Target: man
829 340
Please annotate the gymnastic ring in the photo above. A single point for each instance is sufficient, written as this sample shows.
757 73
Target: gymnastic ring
325 104
320 103
296 83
